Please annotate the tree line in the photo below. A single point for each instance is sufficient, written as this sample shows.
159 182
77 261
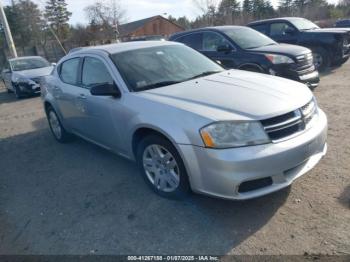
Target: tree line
36 28
226 12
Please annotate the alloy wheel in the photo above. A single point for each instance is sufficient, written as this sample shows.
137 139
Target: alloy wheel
318 60
161 168
55 125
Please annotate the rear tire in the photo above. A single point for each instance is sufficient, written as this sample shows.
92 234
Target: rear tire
57 129
321 59
162 167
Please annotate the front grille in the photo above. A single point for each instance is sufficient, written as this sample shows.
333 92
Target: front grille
287 125
305 64
306 59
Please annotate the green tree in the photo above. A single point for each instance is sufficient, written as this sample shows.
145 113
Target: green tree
229 11
26 23
247 7
286 7
57 16
181 21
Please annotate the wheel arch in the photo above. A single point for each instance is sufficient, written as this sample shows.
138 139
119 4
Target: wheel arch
251 65
143 131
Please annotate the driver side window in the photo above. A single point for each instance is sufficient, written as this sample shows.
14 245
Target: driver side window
211 41
95 72
279 29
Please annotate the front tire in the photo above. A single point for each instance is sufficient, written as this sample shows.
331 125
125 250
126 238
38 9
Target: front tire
321 59
162 167
344 60
58 131
17 92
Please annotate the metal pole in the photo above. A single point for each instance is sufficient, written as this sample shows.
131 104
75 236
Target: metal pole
7 30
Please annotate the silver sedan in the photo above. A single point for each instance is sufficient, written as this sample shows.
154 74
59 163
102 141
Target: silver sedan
188 123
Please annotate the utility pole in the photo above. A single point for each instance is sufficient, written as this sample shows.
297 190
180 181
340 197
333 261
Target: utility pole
7 31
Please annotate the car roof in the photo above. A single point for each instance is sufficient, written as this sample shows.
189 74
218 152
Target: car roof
121 47
213 28
24 57
274 19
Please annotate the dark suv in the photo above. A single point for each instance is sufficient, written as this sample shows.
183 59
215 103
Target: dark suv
342 23
330 46
243 48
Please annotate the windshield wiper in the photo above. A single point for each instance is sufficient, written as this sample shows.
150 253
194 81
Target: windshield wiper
157 85
206 73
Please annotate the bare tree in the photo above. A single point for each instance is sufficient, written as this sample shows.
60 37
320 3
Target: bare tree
104 17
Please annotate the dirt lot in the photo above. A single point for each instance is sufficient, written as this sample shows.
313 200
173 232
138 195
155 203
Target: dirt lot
80 199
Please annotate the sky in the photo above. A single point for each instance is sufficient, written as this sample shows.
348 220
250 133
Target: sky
139 9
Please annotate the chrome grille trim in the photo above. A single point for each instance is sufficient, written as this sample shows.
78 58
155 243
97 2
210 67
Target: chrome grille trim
286 126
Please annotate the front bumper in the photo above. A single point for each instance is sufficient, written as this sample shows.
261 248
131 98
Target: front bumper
29 89
308 76
221 172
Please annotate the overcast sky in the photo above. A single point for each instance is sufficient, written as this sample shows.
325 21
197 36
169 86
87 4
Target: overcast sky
138 9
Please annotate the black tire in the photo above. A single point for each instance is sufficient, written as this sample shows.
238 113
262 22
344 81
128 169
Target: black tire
183 188
344 60
17 92
321 59
64 136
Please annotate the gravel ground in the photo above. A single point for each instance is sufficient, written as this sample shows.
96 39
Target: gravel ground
80 199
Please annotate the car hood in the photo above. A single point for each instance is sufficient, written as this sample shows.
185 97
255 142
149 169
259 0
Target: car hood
293 50
33 73
329 30
234 94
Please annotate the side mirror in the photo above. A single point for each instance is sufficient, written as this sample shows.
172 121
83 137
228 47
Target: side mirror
105 89
289 31
224 48
53 64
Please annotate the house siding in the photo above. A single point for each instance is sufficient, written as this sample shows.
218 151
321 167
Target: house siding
156 27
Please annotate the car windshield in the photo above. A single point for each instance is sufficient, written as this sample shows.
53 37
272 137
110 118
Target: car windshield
303 24
28 63
154 67
247 38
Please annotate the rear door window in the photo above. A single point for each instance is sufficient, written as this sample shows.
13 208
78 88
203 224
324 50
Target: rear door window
264 29
192 40
69 71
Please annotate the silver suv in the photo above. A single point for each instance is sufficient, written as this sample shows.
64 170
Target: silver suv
188 123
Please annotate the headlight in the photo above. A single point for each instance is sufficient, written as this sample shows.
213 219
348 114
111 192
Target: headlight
279 59
228 134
